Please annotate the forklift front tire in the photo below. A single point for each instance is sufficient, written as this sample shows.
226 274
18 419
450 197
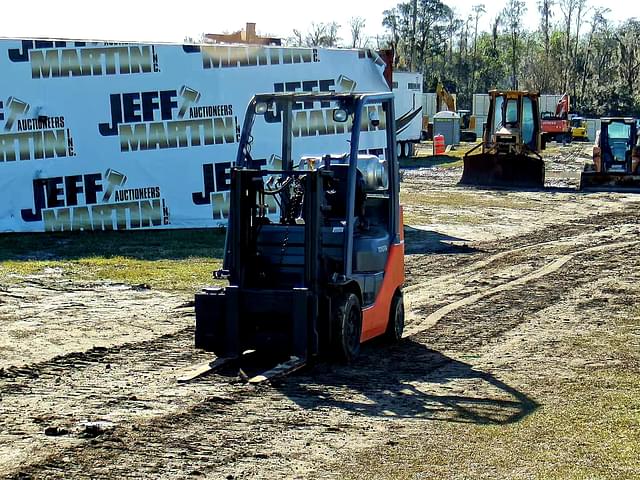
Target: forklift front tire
347 327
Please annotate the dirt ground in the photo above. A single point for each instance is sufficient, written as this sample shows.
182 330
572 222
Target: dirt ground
520 360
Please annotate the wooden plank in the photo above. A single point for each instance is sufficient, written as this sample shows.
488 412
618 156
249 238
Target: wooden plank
203 369
291 365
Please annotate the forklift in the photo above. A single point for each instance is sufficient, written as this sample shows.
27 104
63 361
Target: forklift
314 250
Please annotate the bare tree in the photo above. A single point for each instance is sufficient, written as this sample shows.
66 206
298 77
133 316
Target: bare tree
513 14
318 35
356 25
296 39
570 10
478 9
546 14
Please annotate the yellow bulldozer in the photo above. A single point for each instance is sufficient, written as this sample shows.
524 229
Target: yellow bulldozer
510 145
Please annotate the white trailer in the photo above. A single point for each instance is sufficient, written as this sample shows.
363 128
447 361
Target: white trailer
115 136
407 89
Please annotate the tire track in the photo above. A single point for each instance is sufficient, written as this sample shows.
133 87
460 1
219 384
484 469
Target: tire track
120 385
216 427
549 268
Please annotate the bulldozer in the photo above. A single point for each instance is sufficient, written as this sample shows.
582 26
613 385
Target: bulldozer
616 157
510 145
314 250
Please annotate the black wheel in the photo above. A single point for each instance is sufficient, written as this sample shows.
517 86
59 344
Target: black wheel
396 319
347 327
408 150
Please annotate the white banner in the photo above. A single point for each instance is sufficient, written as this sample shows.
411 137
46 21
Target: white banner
101 136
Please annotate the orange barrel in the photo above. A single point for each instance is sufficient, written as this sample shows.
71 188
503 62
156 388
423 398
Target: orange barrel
438 145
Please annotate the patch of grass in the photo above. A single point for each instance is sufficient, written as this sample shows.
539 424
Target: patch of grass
588 425
463 199
440 161
168 259
417 217
589 431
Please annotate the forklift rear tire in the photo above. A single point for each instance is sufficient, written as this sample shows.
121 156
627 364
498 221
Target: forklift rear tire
347 327
396 319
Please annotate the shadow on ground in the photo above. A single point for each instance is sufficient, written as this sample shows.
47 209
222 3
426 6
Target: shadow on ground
409 380
418 241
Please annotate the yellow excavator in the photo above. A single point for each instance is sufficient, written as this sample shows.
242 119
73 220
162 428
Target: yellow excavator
446 101
578 129
510 145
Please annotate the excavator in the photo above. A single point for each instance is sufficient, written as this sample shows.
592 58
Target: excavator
616 157
321 272
556 126
446 101
510 146
578 129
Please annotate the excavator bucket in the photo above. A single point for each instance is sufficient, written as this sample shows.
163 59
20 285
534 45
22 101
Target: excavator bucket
493 170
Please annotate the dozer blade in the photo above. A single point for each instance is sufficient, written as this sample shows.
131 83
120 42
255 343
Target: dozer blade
610 181
492 170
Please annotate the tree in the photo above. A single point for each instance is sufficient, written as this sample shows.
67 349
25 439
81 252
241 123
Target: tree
478 9
628 38
391 21
513 13
546 14
318 35
598 65
356 26
570 9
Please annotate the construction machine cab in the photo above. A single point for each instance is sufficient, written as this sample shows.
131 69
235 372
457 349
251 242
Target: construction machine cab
314 250
616 156
511 141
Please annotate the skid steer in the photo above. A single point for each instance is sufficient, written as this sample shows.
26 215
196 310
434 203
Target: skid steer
510 146
616 157
314 252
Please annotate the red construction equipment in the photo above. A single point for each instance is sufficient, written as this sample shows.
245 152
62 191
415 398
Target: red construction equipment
557 126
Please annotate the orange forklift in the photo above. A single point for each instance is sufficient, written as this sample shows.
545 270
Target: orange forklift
314 252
